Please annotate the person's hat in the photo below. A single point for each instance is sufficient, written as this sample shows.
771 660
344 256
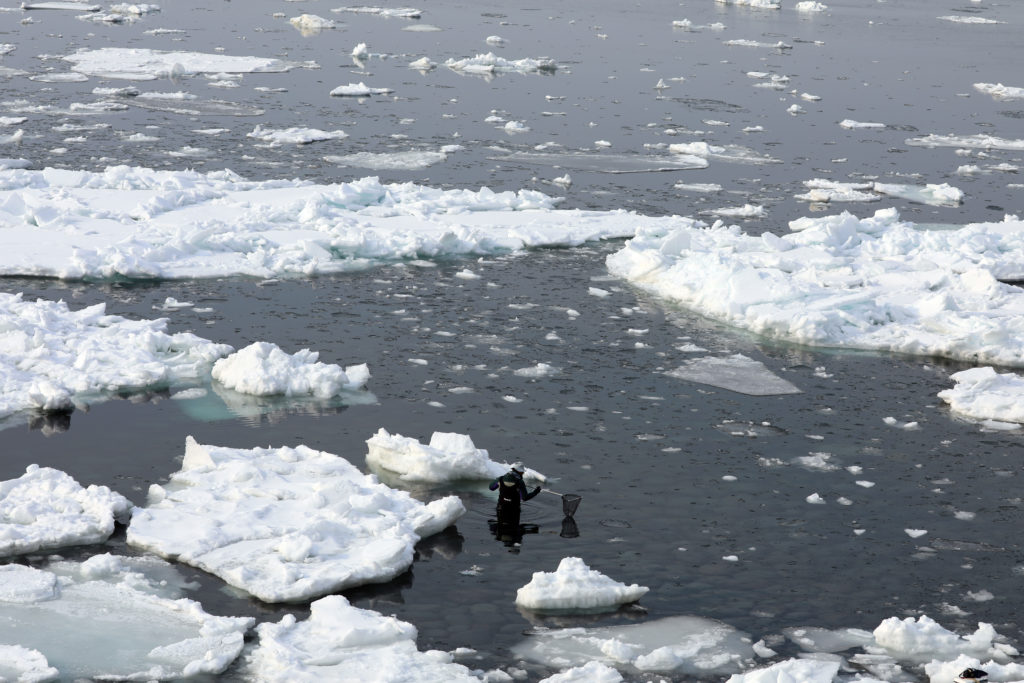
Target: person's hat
517 466
972 676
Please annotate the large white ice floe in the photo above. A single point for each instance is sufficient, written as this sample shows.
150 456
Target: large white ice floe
285 524
143 223
52 357
984 394
264 369
448 457
141 64
675 645
575 587
71 613
341 642
46 509
873 283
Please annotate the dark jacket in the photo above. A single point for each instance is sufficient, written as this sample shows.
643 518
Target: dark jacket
511 491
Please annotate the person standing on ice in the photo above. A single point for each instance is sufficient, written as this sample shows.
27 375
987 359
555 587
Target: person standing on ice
511 493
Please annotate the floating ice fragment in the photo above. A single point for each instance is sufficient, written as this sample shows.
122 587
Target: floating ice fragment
676 645
736 373
295 135
341 642
263 369
815 499
46 509
537 371
104 600
52 357
448 457
591 672
358 90
423 64
285 524
575 587
916 533
145 64
745 211
999 91
977 141
404 161
802 670
762 4
403 12
809 6
961 19
491 63
984 394
851 124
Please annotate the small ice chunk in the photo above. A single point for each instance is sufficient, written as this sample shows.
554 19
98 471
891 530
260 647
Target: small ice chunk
448 457
263 369
46 509
574 586
342 642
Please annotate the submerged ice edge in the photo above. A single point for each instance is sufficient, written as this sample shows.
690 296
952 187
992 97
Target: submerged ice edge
54 359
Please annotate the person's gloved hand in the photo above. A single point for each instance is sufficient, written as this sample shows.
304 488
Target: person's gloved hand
536 491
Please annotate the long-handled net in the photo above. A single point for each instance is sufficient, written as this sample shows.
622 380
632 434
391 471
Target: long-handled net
570 501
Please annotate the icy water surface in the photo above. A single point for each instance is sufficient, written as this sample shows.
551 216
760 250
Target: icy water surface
697 492
700 493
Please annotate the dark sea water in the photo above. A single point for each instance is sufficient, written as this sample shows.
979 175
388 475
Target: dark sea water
674 475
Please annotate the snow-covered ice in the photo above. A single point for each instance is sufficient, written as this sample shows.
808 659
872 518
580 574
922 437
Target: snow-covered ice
264 369
872 283
25 665
144 223
575 587
1000 91
72 612
984 394
448 457
490 63
285 524
295 135
142 64
342 642
52 357
45 509
359 90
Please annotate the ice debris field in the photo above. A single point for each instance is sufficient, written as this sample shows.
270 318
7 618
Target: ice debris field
291 524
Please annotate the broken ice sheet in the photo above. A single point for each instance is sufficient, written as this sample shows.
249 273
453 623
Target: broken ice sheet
114 617
736 373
